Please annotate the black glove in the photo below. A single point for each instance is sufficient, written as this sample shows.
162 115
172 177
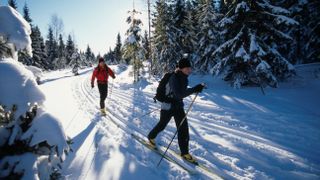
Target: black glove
198 88
92 85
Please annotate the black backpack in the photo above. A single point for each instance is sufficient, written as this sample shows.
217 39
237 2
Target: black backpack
161 89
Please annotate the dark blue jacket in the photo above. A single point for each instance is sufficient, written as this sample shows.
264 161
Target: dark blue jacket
179 89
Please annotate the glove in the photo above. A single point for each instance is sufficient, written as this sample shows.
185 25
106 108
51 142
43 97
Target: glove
92 85
198 88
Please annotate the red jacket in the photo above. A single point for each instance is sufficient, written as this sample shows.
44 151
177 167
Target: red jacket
102 75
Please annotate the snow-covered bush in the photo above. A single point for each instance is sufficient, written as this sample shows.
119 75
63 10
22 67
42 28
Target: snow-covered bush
15 28
26 137
32 145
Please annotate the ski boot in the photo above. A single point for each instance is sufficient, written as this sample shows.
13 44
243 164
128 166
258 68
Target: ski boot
152 143
189 158
103 112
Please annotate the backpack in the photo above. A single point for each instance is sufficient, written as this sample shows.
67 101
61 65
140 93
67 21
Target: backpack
161 89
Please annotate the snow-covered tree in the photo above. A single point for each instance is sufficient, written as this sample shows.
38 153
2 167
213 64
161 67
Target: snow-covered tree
38 49
164 37
312 34
132 48
61 61
117 50
26 14
110 57
13 4
70 49
250 54
23 56
89 55
179 29
51 48
146 46
190 24
33 144
75 62
208 36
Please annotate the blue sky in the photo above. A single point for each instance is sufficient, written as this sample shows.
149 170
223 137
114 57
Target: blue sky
94 22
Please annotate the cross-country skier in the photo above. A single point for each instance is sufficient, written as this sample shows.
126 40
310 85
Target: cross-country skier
102 73
177 89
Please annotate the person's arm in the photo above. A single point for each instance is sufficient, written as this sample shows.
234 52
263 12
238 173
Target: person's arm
179 89
93 77
111 73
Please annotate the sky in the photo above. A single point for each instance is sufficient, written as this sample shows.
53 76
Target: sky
94 22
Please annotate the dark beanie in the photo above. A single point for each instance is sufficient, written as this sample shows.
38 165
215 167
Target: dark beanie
101 60
184 62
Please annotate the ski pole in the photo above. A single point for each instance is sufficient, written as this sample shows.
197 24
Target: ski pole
111 89
185 117
147 113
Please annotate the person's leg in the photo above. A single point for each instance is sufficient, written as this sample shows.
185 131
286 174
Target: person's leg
165 117
183 132
103 90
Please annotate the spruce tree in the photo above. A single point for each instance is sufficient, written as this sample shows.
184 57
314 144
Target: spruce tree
51 49
250 54
24 57
312 33
165 55
26 14
133 50
70 49
146 46
61 61
13 4
208 36
117 50
38 49
89 55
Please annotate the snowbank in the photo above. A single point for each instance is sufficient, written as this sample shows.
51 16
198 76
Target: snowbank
18 85
14 27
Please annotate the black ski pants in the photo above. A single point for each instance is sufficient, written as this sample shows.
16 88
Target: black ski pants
103 90
183 132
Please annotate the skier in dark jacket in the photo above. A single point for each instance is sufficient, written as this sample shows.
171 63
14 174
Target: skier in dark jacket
102 73
176 90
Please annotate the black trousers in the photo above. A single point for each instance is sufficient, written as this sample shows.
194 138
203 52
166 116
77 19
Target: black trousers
183 133
103 90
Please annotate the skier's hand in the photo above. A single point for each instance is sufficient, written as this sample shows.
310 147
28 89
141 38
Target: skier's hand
198 88
92 85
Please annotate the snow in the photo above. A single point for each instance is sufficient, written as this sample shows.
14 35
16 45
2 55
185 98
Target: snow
18 85
243 7
240 134
274 9
45 128
242 53
254 47
286 20
14 27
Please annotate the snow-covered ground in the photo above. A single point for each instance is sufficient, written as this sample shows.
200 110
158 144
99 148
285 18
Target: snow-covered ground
241 134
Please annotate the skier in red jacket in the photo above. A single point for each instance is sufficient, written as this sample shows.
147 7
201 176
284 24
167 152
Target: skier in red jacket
102 73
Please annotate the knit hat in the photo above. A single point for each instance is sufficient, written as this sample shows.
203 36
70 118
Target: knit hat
101 60
184 62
